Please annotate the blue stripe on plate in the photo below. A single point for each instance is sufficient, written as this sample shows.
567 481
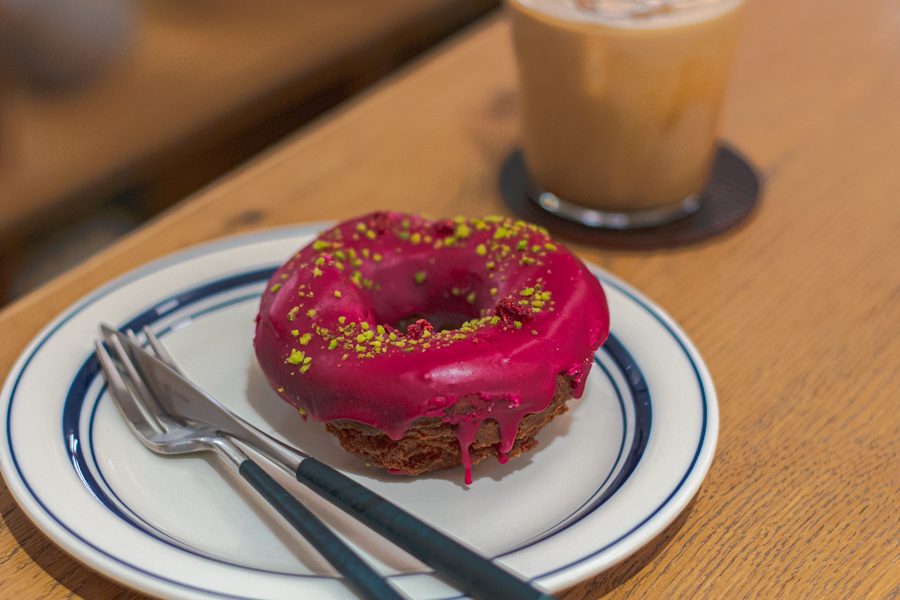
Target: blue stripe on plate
90 370
104 493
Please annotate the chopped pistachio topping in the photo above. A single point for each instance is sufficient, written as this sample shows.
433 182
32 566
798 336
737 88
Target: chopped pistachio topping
317 272
420 277
311 313
527 292
276 287
293 313
304 339
481 250
342 320
332 344
337 294
295 333
296 357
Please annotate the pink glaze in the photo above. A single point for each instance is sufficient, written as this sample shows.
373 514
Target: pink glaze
487 274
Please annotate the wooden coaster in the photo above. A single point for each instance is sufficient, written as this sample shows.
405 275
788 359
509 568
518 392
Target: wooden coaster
731 195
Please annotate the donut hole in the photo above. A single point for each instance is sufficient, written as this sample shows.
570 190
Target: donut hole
440 321
447 298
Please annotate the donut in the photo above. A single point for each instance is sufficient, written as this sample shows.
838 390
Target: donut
426 344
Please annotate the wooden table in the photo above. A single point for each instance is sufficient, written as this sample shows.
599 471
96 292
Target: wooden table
204 84
797 313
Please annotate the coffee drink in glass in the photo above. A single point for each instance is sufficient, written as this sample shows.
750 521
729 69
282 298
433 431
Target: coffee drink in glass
621 102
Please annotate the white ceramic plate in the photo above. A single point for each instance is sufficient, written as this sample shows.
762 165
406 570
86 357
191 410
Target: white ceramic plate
608 476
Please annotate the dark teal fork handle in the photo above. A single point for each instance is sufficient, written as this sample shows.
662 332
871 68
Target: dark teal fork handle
464 569
360 575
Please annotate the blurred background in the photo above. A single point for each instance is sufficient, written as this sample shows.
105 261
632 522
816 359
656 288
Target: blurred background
113 110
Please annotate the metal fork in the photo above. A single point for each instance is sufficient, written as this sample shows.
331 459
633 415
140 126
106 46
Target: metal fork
158 432
463 568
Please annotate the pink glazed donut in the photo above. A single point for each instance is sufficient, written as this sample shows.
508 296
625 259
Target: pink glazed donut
429 344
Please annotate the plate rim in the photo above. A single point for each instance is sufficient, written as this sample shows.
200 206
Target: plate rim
554 580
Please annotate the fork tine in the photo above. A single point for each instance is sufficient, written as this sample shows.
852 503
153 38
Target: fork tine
161 350
145 396
123 398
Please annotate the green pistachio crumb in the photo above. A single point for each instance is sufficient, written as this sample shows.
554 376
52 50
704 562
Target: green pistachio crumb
337 294
471 298
304 368
364 325
370 234
302 410
296 357
293 313
518 325
527 292
342 320
276 287
320 245
550 247
311 313
490 266
295 333
522 245
380 330
317 272
481 249
304 339
333 344
420 277
495 320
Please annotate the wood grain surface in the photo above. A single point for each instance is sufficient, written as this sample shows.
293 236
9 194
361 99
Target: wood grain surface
198 75
797 312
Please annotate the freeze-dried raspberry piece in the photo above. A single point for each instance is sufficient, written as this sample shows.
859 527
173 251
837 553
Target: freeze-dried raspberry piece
418 329
508 310
444 228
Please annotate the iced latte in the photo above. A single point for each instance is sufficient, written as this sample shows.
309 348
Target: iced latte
621 98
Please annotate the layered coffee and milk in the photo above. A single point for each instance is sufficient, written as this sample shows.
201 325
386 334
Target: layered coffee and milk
621 98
